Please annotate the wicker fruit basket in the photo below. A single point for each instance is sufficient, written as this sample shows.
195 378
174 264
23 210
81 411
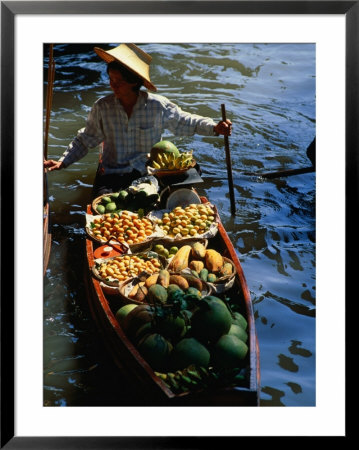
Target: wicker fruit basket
126 288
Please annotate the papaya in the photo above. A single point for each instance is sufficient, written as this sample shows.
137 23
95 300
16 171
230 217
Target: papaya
151 280
196 265
141 293
198 250
172 288
134 290
163 278
180 281
226 270
194 282
211 278
203 274
157 294
193 291
214 260
180 259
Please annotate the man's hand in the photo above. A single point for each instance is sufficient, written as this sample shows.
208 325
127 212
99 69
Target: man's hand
50 165
224 128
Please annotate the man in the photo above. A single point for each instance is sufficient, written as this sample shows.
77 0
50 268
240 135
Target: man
129 122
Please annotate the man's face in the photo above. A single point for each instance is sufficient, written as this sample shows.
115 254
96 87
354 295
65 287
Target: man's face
119 85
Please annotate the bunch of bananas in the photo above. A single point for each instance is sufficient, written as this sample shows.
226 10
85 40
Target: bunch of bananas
191 378
169 161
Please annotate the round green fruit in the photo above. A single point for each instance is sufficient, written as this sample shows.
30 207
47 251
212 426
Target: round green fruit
163 147
106 200
121 314
189 351
158 248
229 352
110 207
238 319
239 332
100 209
171 326
155 349
211 320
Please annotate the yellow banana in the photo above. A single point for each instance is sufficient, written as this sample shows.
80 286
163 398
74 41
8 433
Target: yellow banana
165 160
156 165
159 159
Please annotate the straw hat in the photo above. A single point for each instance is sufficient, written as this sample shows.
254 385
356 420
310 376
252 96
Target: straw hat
131 57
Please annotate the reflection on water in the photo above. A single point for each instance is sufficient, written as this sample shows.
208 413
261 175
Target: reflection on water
269 93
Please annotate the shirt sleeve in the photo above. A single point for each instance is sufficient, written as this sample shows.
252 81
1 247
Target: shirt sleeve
182 123
88 137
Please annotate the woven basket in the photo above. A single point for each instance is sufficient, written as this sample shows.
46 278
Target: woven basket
114 283
126 287
223 284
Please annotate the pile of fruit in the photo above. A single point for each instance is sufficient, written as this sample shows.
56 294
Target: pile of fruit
172 162
166 156
121 268
190 221
184 344
125 227
144 196
205 264
158 288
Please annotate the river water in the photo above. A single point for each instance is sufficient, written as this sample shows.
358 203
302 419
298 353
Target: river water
269 94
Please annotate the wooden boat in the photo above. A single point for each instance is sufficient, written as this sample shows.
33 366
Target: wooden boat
153 390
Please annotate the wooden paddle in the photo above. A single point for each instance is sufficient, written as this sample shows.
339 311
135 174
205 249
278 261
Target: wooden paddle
50 83
229 165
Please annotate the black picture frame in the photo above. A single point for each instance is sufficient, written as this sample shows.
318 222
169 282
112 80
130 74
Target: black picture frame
9 9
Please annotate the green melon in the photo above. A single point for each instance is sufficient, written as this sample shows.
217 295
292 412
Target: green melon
155 349
211 320
121 314
189 351
163 147
238 319
100 209
110 207
228 352
171 326
173 288
157 294
238 331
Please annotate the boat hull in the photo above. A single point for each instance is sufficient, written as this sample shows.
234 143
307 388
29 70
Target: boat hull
139 374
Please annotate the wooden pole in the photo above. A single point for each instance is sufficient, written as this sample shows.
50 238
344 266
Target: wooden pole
229 165
50 83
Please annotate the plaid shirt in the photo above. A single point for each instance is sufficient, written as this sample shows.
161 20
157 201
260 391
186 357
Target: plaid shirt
127 141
